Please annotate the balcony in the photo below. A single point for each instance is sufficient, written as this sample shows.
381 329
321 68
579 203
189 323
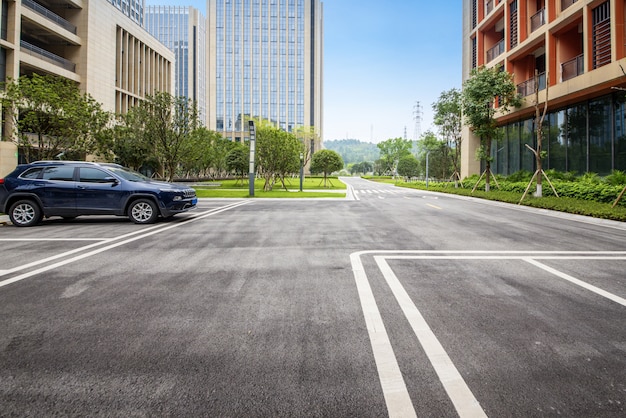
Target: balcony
537 20
528 87
42 54
567 3
42 11
572 68
496 50
488 6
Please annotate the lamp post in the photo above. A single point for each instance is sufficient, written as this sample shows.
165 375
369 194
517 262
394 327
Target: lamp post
251 172
301 169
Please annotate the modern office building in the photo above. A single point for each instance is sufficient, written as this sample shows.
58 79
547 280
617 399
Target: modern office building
98 44
578 49
182 30
264 61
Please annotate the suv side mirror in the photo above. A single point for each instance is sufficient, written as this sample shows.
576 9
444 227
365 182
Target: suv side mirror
112 180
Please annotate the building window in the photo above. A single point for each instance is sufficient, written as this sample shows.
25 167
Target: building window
601 20
513 23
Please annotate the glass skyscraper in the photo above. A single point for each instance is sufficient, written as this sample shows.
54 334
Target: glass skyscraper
182 30
264 61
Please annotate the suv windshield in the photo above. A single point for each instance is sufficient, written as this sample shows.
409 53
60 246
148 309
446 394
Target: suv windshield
128 174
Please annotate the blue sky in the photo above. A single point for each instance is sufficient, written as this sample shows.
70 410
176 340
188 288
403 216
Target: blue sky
380 59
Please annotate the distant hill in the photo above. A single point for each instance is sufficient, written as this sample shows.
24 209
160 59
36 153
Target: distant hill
353 150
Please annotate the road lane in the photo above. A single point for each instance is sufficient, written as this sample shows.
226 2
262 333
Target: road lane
255 312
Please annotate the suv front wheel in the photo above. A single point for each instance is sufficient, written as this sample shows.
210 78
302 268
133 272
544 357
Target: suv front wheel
143 211
25 213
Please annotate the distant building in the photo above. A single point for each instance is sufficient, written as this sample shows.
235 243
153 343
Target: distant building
265 61
182 30
98 44
578 49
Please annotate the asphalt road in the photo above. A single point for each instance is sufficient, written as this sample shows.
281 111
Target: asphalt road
391 302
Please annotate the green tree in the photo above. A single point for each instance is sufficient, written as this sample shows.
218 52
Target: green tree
51 117
439 163
392 150
408 166
277 153
168 122
362 167
448 117
326 161
238 160
126 144
485 92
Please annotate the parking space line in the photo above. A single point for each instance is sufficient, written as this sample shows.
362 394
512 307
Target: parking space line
459 393
577 282
114 242
393 385
394 389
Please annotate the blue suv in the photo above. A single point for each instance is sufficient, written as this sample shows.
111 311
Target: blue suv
72 188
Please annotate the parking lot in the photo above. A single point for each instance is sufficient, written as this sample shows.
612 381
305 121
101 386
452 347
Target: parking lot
319 308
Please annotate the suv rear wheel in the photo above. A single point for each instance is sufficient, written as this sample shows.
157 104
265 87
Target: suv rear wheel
143 211
25 213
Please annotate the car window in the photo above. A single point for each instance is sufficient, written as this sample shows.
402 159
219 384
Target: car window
32 173
63 173
93 175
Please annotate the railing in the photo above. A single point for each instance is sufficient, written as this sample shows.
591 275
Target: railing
537 20
488 6
35 51
39 9
572 68
528 87
567 3
496 50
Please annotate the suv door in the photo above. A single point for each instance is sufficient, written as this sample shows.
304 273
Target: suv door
59 193
98 192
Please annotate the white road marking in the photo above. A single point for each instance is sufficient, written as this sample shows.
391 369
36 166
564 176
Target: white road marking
459 393
394 389
118 242
393 386
578 282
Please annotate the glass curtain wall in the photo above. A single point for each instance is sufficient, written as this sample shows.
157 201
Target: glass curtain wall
585 137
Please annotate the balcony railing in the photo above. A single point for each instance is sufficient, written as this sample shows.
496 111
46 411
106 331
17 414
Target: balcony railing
567 3
488 6
572 68
537 20
35 51
496 50
528 87
39 9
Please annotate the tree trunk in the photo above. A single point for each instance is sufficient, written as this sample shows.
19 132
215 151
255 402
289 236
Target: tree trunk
487 165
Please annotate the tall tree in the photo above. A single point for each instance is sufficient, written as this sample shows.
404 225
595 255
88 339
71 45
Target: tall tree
51 117
448 117
392 150
486 92
168 122
277 153
326 161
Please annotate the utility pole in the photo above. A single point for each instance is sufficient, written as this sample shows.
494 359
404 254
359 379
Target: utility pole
417 115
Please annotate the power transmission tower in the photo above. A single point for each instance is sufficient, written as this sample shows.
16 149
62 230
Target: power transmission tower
417 115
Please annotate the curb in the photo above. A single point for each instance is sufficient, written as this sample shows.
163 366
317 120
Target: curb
4 220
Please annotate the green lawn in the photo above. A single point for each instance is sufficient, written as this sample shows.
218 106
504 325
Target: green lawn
313 187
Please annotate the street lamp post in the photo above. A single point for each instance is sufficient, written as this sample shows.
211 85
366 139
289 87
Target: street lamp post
301 169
